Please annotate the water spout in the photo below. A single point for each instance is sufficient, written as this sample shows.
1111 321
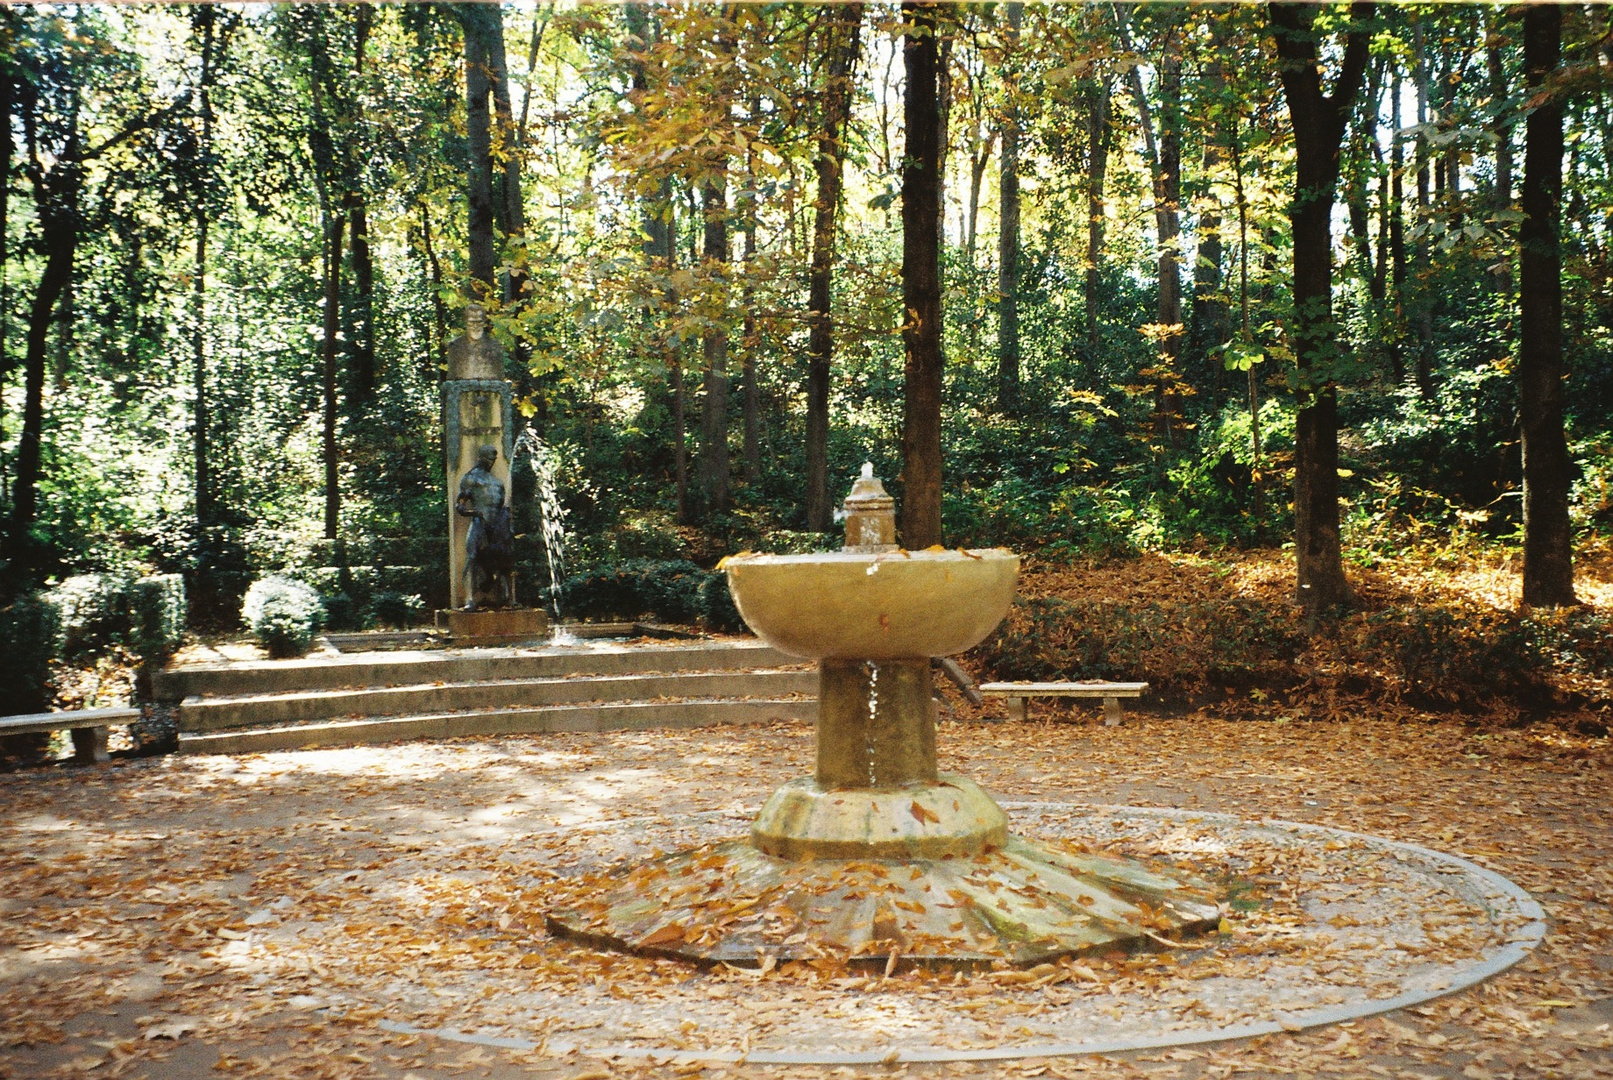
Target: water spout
545 462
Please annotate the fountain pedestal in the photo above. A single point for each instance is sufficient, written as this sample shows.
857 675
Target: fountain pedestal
876 792
878 855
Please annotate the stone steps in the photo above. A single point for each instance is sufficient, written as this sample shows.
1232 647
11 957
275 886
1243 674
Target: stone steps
613 716
256 706
414 667
201 714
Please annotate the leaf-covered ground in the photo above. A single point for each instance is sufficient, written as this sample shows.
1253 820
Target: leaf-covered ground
135 895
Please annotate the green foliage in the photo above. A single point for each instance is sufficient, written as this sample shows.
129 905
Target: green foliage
675 591
1443 656
1179 648
94 612
284 615
396 609
30 630
157 611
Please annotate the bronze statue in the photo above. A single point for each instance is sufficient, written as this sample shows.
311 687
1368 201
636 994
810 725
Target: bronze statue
489 543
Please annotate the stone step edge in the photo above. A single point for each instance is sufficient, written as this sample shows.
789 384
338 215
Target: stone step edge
212 701
631 716
356 670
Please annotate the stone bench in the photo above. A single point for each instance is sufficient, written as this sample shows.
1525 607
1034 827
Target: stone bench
92 722
1110 692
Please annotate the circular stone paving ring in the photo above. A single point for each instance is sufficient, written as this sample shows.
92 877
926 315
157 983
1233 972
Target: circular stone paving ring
1331 926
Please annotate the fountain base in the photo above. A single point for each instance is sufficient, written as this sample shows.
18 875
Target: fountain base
1021 902
950 818
495 626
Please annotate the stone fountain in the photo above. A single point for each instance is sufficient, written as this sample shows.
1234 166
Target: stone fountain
879 856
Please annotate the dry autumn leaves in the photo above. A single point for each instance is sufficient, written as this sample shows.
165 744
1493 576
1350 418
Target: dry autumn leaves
198 916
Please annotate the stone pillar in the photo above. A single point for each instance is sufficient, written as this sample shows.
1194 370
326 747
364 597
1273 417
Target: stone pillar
876 724
477 411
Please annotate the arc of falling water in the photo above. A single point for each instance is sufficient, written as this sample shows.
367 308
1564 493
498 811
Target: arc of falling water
545 463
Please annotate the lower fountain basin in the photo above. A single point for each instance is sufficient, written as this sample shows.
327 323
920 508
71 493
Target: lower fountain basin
860 605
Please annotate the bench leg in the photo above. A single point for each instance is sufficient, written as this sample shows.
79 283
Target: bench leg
1016 708
89 744
1111 712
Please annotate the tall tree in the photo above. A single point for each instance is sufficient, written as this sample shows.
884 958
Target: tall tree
1008 224
1318 121
1548 556
1097 172
843 30
715 251
62 64
481 22
1164 153
204 22
921 279
362 372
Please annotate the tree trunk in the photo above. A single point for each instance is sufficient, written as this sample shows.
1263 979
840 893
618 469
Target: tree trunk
1548 554
1397 238
333 301
1097 171
1318 122
1008 234
1209 302
921 281
750 340
715 494
478 21
59 236
845 29
714 488
1502 130
1164 154
206 16
361 375
7 94
439 314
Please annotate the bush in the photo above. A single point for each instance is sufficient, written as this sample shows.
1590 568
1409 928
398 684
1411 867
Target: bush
157 611
342 612
283 614
669 591
391 608
29 631
1442 656
1178 648
94 611
717 604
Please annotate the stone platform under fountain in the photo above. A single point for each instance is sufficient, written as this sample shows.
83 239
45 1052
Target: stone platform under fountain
879 856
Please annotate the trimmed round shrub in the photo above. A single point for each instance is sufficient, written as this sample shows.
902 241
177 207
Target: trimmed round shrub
283 614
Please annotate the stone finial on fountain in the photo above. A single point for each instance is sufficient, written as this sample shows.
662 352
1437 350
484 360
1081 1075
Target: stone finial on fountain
870 514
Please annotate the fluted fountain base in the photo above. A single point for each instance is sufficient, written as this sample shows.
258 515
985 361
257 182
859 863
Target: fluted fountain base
1022 902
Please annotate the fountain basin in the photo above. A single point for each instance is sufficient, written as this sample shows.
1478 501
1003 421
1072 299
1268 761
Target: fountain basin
859 605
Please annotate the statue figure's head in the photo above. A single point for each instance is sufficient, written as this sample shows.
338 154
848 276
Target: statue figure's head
475 321
486 455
